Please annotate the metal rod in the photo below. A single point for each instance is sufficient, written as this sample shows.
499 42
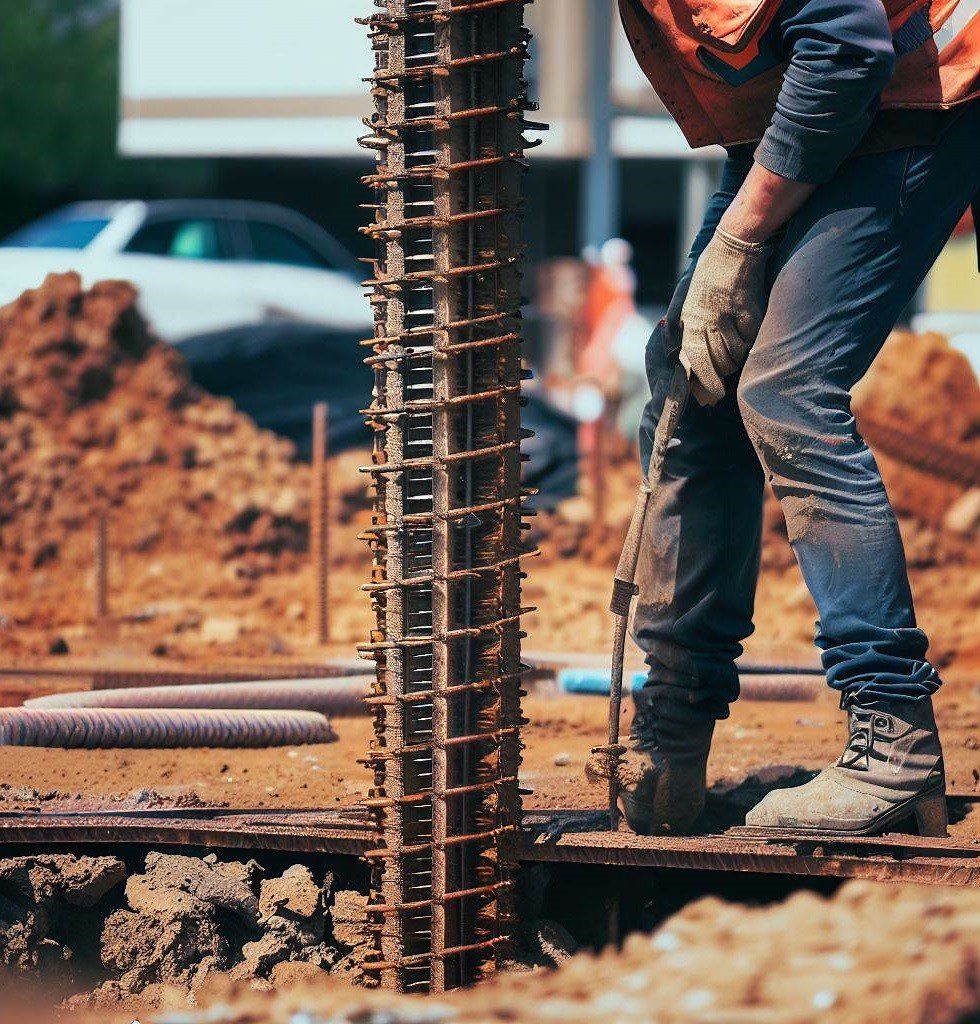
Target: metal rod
319 522
101 572
597 471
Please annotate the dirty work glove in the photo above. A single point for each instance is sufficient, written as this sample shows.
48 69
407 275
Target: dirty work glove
723 312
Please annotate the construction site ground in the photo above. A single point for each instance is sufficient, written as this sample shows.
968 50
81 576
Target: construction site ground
771 742
208 521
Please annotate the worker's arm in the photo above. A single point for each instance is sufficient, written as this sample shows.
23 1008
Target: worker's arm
841 56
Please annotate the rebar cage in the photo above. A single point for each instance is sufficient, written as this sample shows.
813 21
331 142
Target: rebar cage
450 103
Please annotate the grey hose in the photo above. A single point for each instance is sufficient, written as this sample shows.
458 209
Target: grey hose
100 728
336 697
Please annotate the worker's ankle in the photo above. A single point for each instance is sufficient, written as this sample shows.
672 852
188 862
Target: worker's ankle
656 728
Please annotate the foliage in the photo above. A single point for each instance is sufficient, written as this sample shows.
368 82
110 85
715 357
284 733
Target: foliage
58 109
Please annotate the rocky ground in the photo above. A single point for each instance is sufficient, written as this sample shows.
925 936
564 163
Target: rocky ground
808 958
97 934
171 925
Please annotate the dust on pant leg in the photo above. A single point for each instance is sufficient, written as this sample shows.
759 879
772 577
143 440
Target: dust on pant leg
841 527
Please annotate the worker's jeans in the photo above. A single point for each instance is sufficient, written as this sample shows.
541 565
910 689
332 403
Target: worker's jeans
849 263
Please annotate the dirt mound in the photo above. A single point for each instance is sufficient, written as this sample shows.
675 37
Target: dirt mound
95 413
809 958
922 383
921 387
919 410
98 416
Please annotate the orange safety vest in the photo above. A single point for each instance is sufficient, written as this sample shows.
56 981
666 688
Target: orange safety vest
710 63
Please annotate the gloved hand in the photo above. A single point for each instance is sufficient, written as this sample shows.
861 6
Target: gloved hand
723 312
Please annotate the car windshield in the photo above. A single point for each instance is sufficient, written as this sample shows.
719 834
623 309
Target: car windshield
71 233
192 239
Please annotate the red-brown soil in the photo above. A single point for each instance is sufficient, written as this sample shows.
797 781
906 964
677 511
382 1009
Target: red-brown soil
208 516
208 528
870 953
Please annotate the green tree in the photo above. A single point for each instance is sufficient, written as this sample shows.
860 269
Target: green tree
59 71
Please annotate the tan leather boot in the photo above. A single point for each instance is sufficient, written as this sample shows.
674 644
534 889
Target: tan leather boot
661 787
891 770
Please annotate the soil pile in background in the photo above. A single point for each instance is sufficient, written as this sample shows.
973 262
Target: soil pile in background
919 409
96 414
208 515
918 384
921 386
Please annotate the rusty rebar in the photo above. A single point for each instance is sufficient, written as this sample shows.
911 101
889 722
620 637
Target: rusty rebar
319 523
446 536
100 575
597 469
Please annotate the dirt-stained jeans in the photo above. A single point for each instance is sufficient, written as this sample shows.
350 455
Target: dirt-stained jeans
849 263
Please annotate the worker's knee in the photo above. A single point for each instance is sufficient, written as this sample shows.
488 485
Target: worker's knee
771 404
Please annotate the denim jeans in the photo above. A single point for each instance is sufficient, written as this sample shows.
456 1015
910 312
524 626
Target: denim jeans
847 265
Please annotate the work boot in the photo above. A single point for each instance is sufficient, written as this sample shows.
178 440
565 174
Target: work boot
661 782
891 769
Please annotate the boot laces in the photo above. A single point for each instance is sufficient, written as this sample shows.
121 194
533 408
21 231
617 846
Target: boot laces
865 729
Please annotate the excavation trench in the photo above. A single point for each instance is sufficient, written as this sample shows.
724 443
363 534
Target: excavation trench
129 925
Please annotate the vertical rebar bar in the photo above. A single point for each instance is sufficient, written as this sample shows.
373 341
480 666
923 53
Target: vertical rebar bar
598 454
319 523
100 575
449 114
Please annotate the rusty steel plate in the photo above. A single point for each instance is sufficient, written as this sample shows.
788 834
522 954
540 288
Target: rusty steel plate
562 837
305 831
570 837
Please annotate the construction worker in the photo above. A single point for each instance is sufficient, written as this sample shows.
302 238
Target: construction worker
854 149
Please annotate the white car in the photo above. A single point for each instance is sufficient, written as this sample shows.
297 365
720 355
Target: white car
201 266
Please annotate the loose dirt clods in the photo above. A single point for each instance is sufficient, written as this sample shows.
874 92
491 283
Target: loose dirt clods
807 959
40 902
186 921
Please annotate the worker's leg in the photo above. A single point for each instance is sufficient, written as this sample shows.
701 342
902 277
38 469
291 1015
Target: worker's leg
851 260
700 557
697 571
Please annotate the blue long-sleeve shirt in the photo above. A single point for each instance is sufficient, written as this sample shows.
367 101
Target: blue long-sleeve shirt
841 55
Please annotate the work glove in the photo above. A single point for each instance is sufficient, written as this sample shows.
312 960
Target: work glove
723 312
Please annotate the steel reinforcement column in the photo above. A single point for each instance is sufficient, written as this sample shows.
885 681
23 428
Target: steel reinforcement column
449 114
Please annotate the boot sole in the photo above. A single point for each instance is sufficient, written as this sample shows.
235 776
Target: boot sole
929 810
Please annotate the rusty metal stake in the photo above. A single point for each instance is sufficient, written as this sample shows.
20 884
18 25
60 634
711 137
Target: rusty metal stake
320 523
597 470
100 580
